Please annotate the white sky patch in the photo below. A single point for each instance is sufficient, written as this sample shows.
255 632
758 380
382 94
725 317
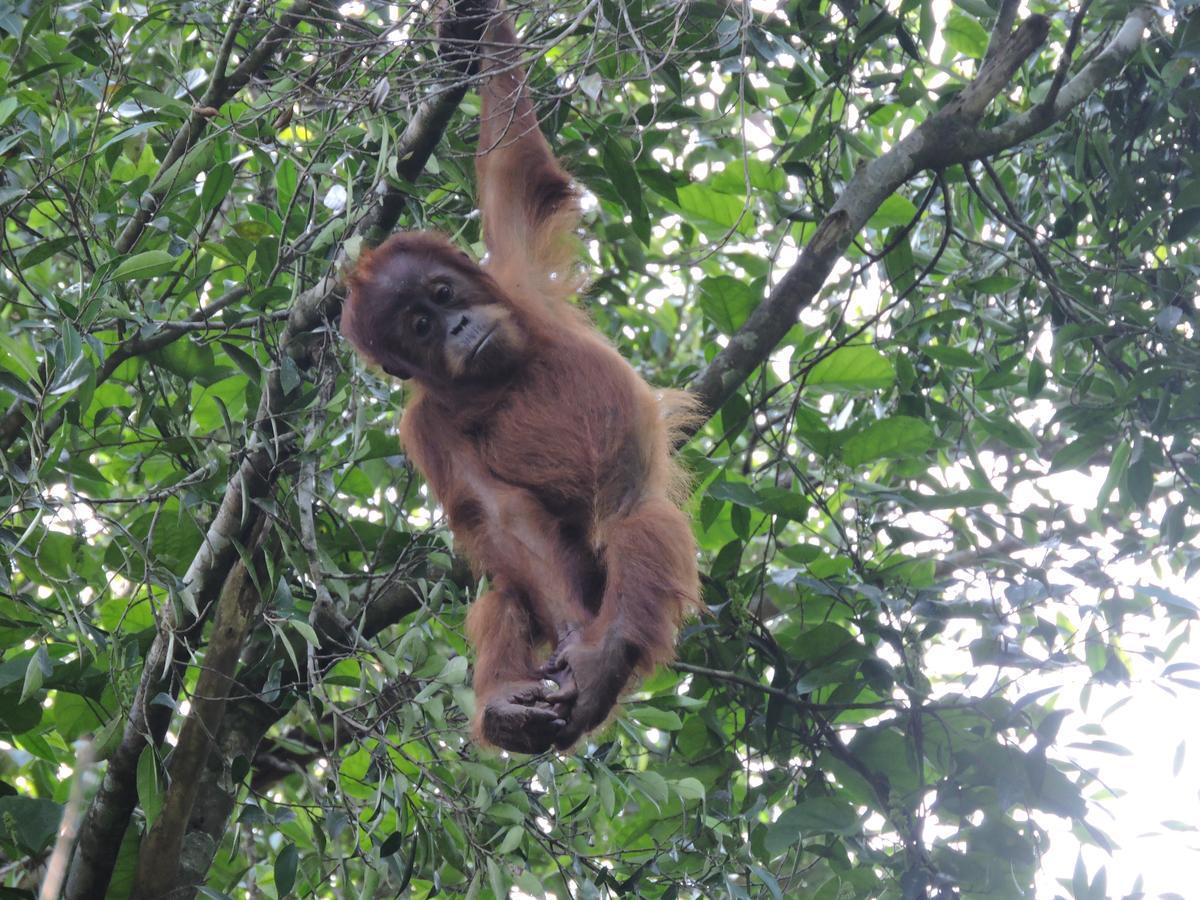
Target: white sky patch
335 198
1150 722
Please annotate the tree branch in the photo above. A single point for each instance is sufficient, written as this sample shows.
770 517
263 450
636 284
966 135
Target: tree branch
220 90
1064 64
994 77
425 129
948 137
1002 30
1110 61
248 719
110 809
242 729
158 860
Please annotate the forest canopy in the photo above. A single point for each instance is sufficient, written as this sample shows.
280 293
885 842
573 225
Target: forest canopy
930 268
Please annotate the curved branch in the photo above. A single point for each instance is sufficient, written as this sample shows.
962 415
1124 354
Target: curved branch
249 718
1104 66
237 608
948 137
110 810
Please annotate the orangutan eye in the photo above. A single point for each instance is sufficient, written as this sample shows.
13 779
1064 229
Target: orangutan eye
443 294
422 325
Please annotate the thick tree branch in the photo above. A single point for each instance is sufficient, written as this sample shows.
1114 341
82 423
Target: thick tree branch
109 812
948 137
1064 64
247 721
996 75
1002 30
1110 61
237 608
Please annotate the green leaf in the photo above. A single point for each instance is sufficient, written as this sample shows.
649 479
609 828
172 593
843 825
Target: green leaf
394 842
216 186
1183 224
965 35
690 789
496 878
734 492
455 670
306 631
286 182
18 388
780 502
530 883
289 375
954 357
1010 431
1139 483
1036 381
654 786
724 211
30 822
855 366
512 840
1116 471
994 284
149 788
623 175
144 265
653 717
980 9
821 815
36 671
895 210
763 176
899 263
971 498
727 301
1172 601
894 438
132 131
19 358
285 869
244 361
1078 452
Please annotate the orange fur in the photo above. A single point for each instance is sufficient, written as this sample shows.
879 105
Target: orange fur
557 478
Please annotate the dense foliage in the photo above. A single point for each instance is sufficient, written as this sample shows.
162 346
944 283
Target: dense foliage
960 473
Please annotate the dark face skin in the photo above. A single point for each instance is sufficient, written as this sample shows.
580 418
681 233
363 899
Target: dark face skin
435 321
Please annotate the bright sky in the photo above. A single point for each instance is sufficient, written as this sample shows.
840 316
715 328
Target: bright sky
1153 724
